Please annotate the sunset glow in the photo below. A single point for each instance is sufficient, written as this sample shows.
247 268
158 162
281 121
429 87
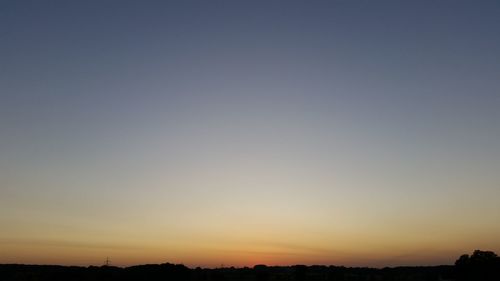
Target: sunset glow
235 133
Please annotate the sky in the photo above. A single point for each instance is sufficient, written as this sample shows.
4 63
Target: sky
357 133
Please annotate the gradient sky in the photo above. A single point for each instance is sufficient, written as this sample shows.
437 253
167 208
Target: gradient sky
244 132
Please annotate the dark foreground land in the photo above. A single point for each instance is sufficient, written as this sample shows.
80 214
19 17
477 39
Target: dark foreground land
480 266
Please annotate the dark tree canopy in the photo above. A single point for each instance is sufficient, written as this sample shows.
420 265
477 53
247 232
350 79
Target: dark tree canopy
481 265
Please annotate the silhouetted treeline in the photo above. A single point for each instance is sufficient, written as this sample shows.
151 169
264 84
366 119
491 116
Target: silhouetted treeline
481 265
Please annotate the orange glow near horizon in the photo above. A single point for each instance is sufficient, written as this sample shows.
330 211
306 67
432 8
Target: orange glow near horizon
279 246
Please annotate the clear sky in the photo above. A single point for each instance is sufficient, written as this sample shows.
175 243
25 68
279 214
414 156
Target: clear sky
244 132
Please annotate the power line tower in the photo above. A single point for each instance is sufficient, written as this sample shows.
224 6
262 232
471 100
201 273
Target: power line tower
107 262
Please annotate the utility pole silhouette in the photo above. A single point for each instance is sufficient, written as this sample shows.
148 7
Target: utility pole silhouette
108 262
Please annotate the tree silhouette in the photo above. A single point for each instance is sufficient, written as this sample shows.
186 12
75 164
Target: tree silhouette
481 265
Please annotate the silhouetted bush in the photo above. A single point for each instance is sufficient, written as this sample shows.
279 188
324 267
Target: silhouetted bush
481 265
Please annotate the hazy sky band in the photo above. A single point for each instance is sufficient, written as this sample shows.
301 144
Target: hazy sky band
209 132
